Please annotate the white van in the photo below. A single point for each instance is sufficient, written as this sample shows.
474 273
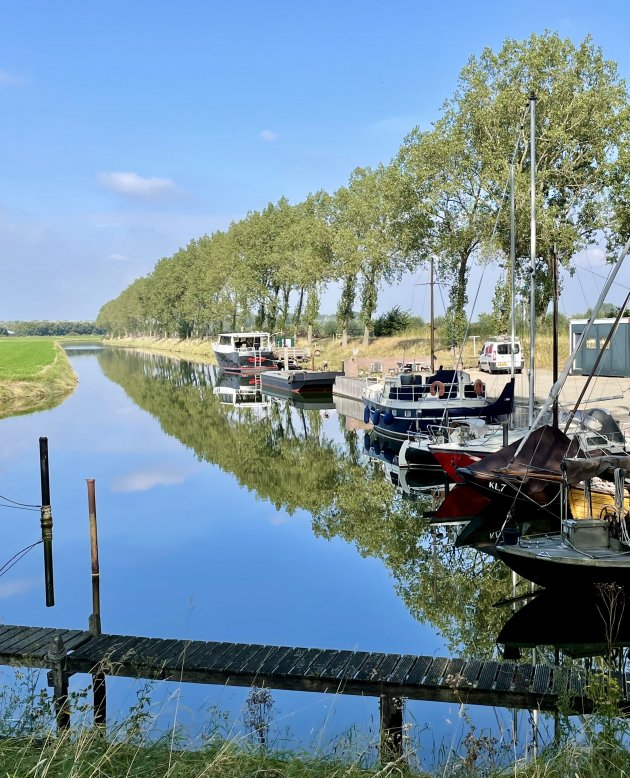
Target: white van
496 355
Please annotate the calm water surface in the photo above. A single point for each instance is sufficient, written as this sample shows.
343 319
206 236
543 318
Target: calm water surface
264 524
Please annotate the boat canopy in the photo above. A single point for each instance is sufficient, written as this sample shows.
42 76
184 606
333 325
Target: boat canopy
603 467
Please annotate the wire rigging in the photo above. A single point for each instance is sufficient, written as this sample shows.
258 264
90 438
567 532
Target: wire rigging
17 558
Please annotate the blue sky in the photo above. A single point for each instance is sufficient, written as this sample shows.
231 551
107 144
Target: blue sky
130 128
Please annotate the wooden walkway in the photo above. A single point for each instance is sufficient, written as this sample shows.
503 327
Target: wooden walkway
502 684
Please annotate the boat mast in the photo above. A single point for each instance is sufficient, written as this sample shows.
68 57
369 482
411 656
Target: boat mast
556 388
532 283
555 332
432 343
512 268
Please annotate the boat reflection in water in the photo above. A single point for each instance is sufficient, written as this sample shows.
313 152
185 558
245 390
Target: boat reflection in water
320 401
415 483
591 624
239 390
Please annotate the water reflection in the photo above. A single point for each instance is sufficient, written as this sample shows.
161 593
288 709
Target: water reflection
221 522
584 625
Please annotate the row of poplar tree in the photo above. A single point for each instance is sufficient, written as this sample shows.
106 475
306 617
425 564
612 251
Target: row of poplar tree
443 197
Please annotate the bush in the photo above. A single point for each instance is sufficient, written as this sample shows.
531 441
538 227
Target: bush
391 323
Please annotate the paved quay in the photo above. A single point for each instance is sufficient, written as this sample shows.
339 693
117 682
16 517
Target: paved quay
610 393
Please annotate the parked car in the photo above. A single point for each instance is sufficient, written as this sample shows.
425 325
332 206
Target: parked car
496 355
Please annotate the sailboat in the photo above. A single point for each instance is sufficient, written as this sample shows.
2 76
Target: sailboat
521 480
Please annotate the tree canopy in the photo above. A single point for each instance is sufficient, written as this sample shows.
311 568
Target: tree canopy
443 196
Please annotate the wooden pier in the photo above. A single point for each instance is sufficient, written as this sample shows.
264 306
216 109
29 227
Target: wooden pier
466 681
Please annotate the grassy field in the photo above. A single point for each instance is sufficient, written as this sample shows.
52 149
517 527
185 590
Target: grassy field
35 374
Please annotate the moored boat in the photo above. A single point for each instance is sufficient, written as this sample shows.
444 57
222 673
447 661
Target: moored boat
299 381
585 552
413 402
242 352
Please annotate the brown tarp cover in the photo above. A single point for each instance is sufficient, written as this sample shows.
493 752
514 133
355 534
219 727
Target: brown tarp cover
542 454
602 467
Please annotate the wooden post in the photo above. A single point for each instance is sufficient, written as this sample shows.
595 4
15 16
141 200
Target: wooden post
98 679
391 708
58 679
46 523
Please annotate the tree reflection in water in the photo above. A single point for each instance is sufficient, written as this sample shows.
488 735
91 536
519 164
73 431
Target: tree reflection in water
283 454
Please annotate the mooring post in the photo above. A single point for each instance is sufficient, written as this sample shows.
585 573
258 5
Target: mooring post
46 522
58 679
99 690
391 749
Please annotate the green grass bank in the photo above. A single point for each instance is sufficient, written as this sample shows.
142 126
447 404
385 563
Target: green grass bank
35 374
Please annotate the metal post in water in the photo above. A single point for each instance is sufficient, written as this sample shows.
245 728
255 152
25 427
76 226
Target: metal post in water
98 679
46 522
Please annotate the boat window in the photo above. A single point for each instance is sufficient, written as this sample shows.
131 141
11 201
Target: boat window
225 340
591 343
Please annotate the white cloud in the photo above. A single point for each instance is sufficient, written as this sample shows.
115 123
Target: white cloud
10 79
118 258
20 586
134 185
279 519
144 480
268 135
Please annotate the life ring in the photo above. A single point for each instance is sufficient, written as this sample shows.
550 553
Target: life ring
437 387
479 387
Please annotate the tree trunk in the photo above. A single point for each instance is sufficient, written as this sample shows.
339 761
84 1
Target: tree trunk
310 334
344 336
366 336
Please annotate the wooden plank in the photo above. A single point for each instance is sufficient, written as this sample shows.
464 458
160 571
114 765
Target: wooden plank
400 672
523 678
123 651
369 669
253 663
434 673
487 675
452 672
470 673
540 682
505 676
386 667
338 664
33 639
576 681
318 666
8 646
71 638
270 663
229 658
162 650
419 670
289 660
560 680
7 632
302 667
235 660
208 656
96 648
357 660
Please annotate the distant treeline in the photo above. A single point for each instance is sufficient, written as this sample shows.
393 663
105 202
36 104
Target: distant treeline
50 328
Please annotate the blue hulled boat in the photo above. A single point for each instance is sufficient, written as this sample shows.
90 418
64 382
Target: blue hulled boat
415 402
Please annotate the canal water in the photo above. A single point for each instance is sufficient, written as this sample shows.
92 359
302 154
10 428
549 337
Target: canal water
253 522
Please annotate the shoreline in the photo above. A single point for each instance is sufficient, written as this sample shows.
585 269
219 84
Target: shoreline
49 388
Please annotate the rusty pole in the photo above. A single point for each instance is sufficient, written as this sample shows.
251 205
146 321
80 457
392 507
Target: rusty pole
98 679
46 522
